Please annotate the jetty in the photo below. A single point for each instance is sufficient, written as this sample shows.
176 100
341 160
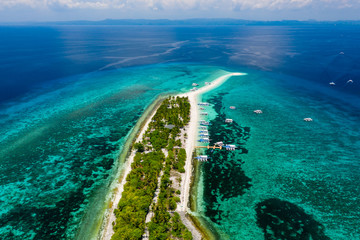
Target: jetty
209 147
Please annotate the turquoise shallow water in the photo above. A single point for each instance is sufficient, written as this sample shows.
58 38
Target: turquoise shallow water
59 146
289 179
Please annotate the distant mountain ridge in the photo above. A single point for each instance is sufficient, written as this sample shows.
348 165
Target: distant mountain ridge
185 22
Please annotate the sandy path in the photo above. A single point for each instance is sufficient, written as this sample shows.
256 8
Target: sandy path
191 132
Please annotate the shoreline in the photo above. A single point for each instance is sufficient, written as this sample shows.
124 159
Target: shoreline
192 132
106 230
126 157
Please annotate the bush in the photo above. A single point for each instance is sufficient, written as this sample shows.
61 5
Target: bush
139 147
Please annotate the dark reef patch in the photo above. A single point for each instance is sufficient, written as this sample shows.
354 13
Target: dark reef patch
223 175
284 220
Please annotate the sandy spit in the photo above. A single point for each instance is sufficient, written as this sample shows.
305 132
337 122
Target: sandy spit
191 131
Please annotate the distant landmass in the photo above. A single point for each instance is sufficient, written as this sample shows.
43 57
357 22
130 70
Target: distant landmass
195 21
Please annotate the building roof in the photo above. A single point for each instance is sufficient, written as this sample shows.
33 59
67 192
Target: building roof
169 126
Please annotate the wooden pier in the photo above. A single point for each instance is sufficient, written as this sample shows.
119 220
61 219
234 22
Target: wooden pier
209 147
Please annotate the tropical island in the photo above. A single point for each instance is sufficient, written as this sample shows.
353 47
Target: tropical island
152 198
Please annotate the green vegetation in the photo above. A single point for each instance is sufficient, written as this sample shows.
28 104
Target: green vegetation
165 225
181 158
137 195
173 111
163 133
139 147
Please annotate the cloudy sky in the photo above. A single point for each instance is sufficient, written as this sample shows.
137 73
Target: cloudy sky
53 10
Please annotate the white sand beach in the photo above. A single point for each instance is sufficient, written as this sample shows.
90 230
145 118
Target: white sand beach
191 131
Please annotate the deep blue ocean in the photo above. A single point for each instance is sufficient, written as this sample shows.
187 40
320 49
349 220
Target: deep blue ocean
70 96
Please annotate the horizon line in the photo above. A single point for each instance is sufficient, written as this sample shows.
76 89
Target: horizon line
185 21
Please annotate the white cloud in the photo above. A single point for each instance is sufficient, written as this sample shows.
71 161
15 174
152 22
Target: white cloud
177 4
29 3
95 4
271 4
342 3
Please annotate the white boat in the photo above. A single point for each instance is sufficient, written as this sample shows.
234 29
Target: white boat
332 83
230 147
204 140
258 111
202 158
204 135
219 143
203 104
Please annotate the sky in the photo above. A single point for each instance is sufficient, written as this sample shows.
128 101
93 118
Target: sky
65 10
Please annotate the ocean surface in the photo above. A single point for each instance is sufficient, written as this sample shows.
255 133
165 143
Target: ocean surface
71 95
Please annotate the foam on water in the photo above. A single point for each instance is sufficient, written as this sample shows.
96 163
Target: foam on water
290 179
